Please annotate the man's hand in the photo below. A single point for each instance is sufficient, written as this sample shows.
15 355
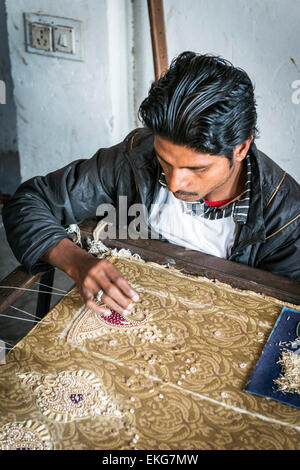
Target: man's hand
92 274
98 274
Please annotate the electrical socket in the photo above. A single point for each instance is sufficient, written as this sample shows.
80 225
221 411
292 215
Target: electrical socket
53 36
41 36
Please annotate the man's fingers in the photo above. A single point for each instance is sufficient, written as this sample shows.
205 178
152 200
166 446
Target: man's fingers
114 297
126 288
117 293
90 303
113 274
97 308
91 286
111 291
107 300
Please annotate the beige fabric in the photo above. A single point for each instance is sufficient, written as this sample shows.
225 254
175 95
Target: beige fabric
172 380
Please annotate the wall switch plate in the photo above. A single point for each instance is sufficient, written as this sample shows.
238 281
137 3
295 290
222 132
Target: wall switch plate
41 36
64 39
53 36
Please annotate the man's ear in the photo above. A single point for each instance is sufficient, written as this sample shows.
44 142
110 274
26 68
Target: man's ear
240 151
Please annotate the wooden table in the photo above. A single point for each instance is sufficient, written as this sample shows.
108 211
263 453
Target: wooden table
194 262
190 261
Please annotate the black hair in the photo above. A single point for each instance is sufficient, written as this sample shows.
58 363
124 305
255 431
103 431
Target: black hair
202 102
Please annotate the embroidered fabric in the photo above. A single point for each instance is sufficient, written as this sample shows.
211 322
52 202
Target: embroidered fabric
70 395
173 381
90 325
28 435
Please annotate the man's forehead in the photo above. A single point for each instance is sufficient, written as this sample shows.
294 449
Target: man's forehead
180 155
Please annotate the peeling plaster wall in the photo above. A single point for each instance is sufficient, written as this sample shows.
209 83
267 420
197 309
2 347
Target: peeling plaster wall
261 36
64 108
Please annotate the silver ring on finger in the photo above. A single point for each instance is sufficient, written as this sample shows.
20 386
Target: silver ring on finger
99 295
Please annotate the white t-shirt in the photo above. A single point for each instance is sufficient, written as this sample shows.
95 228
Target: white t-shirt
169 218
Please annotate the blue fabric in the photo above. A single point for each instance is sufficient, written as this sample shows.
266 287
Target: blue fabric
266 369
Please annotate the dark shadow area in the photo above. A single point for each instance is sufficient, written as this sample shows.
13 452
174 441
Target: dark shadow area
10 177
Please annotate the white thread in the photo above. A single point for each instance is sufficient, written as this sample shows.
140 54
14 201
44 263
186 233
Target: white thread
31 290
45 285
235 408
18 318
96 246
6 342
26 313
73 228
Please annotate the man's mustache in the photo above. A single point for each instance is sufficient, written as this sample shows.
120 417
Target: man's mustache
183 193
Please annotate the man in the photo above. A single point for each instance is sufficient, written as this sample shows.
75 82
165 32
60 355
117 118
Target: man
194 167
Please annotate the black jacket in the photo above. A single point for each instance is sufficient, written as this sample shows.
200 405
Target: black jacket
35 217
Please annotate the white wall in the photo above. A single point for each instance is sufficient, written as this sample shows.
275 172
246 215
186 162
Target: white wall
143 68
258 35
66 109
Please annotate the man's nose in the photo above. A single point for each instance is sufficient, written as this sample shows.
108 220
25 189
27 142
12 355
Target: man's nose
176 181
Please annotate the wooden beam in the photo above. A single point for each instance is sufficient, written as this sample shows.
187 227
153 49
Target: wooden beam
158 37
19 277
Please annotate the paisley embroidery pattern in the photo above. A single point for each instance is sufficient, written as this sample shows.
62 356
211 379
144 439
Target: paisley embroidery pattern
27 435
92 325
70 395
